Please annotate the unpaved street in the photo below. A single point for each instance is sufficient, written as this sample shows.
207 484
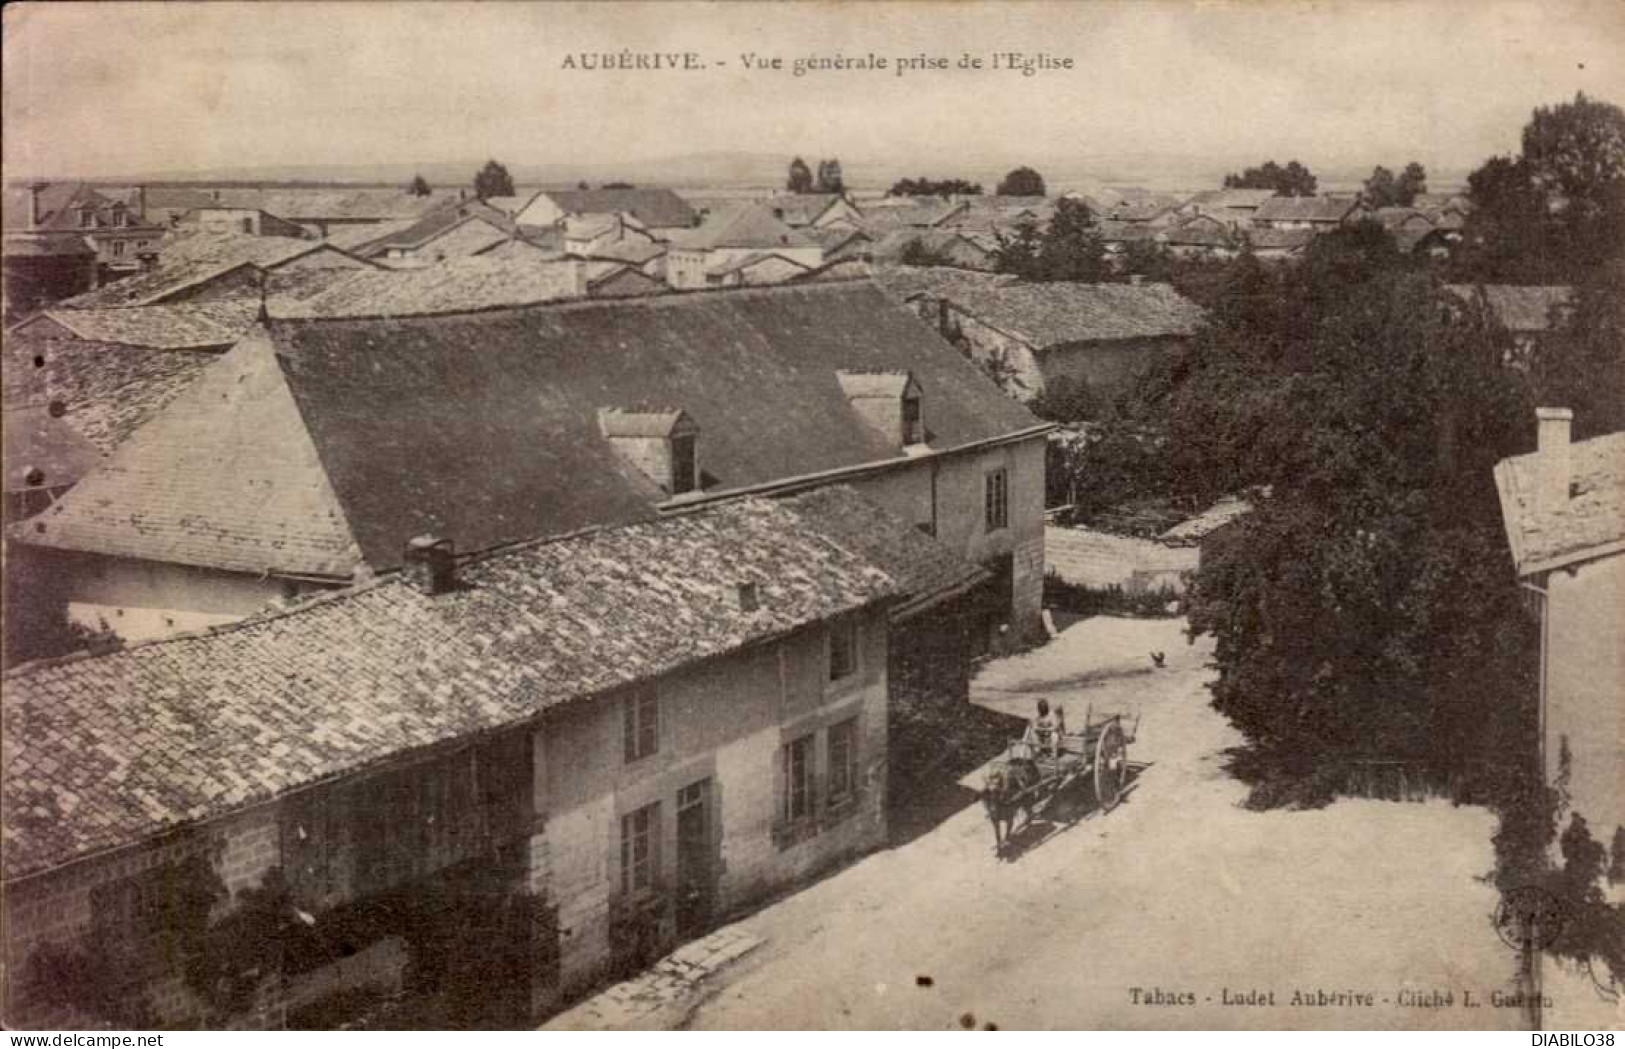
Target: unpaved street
1179 892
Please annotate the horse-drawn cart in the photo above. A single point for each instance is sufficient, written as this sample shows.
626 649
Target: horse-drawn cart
1033 773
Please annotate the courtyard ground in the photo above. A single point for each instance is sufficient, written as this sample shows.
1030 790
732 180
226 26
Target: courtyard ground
1178 895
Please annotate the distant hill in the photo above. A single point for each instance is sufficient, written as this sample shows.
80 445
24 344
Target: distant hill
726 170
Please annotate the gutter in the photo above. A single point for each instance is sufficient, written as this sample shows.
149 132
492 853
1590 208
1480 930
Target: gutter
791 484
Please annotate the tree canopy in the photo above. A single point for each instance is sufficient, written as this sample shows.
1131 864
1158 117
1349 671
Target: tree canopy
493 180
1293 180
800 179
1022 182
829 177
925 187
1384 189
419 186
1555 214
1069 249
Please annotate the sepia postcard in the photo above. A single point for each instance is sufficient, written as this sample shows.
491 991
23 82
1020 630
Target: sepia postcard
734 516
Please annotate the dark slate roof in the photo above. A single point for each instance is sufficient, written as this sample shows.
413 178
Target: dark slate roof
1330 209
652 207
484 426
105 751
60 206
42 450
468 283
1591 522
1519 308
109 390
1053 313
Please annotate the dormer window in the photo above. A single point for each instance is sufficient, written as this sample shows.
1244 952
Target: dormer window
890 402
121 218
662 443
87 217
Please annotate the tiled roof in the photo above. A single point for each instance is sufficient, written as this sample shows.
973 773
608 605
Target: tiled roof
105 751
355 238
225 477
801 209
335 204
1306 209
652 207
926 570
1280 239
1247 199
1519 308
744 226
1054 313
1591 522
434 226
1203 231
169 326
930 211
1114 232
1194 529
635 250
194 256
43 450
472 283
109 390
748 262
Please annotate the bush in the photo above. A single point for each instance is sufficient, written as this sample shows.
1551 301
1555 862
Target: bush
1161 603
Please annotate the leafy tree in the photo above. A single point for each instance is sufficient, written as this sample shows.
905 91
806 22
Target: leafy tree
1293 180
1018 253
1386 190
1066 400
1583 366
1367 608
1071 248
1576 149
619 185
1413 182
1149 260
419 187
1021 182
800 180
924 187
915 253
829 177
493 180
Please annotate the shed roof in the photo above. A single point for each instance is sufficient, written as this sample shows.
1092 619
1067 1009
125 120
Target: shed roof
105 751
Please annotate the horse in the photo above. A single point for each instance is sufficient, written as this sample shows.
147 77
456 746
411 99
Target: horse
1002 788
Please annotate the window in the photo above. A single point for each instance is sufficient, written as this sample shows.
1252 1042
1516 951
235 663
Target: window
997 500
913 422
683 465
640 720
798 779
87 218
843 760
118 249
121 218
639 836
843 650
248 225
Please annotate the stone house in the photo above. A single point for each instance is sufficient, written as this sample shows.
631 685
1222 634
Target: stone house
660 211
528 769
258 482
40 269
733 235
1563 507
115 226
1104 335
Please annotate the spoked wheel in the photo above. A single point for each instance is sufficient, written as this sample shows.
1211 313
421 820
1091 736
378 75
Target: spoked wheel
1111 766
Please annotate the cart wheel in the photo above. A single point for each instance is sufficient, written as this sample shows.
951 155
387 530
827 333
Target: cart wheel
1111 766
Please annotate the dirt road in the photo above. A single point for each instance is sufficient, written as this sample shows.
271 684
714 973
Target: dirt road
1177 895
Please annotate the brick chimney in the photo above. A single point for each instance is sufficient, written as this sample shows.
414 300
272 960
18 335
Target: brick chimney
141 204
429 563
1552 460
34 216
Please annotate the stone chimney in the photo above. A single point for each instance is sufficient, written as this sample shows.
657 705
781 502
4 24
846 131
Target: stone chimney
34 216
429 563
1552 460
141 204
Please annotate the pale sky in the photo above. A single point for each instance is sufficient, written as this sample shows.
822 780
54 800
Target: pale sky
127 88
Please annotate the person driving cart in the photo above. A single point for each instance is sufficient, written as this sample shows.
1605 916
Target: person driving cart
1043 731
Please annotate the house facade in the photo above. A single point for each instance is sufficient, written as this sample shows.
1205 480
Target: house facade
1563 507
114 226
706 255
387 787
